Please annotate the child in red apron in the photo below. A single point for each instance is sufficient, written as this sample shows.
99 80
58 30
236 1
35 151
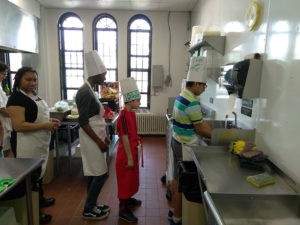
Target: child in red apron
127 161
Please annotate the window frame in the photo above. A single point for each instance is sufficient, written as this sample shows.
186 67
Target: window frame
132 19
95 37
62 51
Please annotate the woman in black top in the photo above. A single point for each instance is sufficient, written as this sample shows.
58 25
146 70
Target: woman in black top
31 124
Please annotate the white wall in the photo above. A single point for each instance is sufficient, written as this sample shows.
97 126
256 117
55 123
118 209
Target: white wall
275 114
49 55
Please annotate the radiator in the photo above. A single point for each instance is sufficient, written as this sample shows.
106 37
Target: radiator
151 124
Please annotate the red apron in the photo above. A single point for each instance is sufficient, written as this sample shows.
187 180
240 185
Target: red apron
128 180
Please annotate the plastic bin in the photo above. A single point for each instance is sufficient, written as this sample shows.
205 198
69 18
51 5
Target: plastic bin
188 181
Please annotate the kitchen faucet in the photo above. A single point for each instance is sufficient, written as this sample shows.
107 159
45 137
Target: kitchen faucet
235 119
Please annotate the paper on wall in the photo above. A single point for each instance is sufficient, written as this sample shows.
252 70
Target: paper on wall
230 104
196 34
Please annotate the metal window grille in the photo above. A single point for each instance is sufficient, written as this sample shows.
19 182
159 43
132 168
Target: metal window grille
70 29
139 52
105 42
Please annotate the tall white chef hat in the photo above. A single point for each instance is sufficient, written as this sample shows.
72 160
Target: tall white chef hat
197 69
94 64
129 89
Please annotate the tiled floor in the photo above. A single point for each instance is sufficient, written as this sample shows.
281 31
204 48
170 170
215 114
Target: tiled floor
69 189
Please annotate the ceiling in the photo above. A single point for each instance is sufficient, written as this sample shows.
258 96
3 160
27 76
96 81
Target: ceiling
147 5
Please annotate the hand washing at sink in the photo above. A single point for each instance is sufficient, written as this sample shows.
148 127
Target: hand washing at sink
227 124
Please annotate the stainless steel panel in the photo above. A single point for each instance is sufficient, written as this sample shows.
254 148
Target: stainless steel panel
221 136
256 210
18 29
219 123
221 174
17 169
214 215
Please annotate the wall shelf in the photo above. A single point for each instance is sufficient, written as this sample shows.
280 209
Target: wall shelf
216 42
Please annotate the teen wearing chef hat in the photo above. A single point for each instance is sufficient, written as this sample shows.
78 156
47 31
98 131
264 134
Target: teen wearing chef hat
188 124
129 149
92 136
197 69
94 64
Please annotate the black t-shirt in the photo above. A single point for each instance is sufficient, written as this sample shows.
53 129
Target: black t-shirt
19 99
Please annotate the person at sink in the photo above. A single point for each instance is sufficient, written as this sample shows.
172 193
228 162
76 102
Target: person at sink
188 125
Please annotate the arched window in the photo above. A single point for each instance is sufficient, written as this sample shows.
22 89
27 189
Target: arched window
70 31
139 55
105 42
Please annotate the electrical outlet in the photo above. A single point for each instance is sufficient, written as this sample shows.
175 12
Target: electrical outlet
211 100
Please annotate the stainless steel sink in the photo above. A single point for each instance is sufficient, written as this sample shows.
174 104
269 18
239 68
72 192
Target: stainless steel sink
220 123
224 132
254 210
215 124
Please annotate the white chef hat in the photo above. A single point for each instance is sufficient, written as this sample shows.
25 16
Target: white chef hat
197 69
94 64
129 89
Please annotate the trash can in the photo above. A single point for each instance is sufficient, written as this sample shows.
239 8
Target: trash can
192 207
188 181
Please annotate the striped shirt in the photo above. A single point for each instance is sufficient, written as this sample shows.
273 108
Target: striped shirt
186 113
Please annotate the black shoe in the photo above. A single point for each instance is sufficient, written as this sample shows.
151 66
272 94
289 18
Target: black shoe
45 218
103 208
132 202
128 216
45 202
95 214
163 179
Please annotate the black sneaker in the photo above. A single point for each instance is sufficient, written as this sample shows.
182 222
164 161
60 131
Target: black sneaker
103 208
45 218
95 214
45 202
132 202
128 216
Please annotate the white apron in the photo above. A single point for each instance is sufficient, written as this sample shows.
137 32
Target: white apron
93 159
186 155
35 144
5 121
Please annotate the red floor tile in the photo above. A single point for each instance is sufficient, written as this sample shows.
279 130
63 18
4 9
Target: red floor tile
69 189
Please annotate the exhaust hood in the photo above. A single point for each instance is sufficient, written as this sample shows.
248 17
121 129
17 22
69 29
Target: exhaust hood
18 29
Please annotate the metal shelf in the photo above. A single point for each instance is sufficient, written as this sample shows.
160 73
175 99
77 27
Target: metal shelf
216 42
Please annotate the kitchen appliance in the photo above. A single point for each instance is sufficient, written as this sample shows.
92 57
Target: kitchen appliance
244 79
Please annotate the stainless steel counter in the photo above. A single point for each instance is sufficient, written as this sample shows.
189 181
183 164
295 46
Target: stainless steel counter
222 174
230 200
20 169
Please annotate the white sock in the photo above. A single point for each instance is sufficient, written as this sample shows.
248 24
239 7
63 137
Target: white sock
176 219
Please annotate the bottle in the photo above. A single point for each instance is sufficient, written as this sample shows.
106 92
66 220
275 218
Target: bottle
7 90
74 110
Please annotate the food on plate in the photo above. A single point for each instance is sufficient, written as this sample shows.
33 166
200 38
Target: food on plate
108 113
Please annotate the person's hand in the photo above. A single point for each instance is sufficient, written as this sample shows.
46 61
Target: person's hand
129 164
51 126
55 121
